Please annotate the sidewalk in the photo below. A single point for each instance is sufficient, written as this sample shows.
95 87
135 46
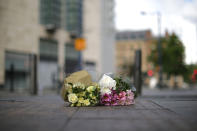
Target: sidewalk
50 113
169 93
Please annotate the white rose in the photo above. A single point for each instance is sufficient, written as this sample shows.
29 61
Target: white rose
91 88
108 82
72 98
105 90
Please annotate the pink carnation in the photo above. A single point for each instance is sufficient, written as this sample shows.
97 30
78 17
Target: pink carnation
121 98
130 98
106 99
113 99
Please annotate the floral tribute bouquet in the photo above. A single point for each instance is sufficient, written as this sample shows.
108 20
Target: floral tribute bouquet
79 90
115 92
81 95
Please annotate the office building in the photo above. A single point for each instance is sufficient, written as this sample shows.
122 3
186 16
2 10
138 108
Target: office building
127 42
99 32
37 41
33 43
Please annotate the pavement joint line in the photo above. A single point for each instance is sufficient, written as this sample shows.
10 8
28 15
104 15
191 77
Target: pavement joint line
162 106
186 100
10 100
68 120
177 99
170 96
118 118
143 109
179 115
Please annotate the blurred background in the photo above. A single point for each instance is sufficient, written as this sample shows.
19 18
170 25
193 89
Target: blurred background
152 43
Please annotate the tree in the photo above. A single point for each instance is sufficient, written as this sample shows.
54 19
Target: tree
190 76
172 56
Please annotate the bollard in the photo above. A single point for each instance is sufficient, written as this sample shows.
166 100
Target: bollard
137 72
12 78
35 85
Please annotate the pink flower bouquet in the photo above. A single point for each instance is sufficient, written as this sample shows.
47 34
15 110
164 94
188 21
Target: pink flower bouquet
115 92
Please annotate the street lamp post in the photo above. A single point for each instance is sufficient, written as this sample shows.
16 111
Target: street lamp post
159 46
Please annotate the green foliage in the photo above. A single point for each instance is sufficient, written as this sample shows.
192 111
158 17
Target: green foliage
121 85
188 74
172 56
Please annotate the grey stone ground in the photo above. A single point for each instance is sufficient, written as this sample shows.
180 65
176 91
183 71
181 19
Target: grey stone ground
150 113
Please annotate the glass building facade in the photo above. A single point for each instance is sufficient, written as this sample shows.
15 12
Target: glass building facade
48 49
67 15
62 13
50 12
73 16
17 70
71 58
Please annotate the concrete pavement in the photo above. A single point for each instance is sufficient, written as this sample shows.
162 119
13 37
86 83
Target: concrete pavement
50 113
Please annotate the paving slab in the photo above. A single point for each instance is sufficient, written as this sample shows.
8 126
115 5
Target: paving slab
33 114
186 108
51 113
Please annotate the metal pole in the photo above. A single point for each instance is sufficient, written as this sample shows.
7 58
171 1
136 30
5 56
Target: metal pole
159 47
80 60
160 84
137 73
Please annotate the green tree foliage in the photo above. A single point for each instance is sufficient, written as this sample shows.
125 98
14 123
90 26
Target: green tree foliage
172 55
188 74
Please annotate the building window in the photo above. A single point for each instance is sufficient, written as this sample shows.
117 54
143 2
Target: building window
17 70
71 58
48 49
50 12
73 16
70 52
